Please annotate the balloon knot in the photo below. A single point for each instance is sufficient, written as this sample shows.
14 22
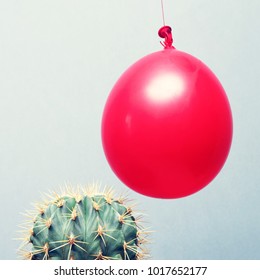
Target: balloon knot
166 33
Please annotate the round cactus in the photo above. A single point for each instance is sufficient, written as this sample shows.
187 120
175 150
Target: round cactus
83 225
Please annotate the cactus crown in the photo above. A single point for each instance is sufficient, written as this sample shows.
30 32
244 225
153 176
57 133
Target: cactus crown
83 225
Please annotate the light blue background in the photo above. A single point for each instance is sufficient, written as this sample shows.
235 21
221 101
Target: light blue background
58 61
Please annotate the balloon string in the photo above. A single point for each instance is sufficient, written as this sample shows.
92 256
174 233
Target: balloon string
163 13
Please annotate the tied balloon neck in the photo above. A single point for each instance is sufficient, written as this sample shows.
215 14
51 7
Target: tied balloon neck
165 32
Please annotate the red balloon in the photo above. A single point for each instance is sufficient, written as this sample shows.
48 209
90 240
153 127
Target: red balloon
167 125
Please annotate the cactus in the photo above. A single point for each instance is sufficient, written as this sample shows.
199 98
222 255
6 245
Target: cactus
83 225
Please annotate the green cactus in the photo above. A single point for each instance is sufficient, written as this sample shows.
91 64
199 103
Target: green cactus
84 225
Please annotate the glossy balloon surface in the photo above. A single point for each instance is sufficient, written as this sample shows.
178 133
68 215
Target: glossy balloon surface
167 125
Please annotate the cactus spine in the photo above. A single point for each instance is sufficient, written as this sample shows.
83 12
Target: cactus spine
84 225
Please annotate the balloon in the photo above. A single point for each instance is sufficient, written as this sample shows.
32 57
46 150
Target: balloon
167 125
